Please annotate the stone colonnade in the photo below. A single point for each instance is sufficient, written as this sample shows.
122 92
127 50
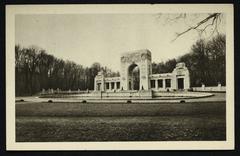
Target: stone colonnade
178 79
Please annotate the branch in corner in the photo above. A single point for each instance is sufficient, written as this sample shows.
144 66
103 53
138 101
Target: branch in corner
214 17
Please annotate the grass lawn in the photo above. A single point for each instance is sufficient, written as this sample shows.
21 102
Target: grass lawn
157 128
118 109
43 122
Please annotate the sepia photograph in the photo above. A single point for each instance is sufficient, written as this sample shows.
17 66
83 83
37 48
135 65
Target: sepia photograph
120 77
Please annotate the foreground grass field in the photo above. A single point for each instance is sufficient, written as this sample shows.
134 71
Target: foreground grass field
44 122
118 109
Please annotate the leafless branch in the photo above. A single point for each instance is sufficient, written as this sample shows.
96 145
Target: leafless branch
214 17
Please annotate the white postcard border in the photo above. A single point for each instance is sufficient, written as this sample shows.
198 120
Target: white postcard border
12 10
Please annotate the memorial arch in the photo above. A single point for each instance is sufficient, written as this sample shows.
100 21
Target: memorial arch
141 59
143 79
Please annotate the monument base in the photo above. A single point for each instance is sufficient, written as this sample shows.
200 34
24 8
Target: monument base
144 94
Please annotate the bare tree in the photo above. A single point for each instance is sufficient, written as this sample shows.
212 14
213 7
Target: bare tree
37 70
210 21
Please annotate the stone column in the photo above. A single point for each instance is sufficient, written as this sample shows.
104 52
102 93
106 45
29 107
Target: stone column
58 90
115 85
124 76
174 84
203 87
164 83
43 91
110 85
95 84
132 84
102 84
187 81
219 86
156 84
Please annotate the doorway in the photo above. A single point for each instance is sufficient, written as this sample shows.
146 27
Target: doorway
180 83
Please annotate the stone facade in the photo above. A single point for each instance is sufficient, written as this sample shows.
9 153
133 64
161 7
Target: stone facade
177 80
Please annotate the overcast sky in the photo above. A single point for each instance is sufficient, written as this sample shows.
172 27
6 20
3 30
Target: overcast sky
89 38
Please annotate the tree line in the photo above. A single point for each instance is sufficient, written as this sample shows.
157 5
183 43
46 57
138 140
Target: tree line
35 69
206 62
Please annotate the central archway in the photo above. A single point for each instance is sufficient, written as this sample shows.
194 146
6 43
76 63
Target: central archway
134 77
142 60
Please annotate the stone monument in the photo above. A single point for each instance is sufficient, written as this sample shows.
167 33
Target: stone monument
179 79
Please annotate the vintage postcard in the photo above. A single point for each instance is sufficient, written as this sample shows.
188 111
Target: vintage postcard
120 77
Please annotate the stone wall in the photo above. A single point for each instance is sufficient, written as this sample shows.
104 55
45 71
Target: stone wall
204 88
126 94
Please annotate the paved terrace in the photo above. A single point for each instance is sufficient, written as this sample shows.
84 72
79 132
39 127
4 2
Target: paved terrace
216 97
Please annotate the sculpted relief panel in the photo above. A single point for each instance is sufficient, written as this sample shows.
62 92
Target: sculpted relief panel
135 57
